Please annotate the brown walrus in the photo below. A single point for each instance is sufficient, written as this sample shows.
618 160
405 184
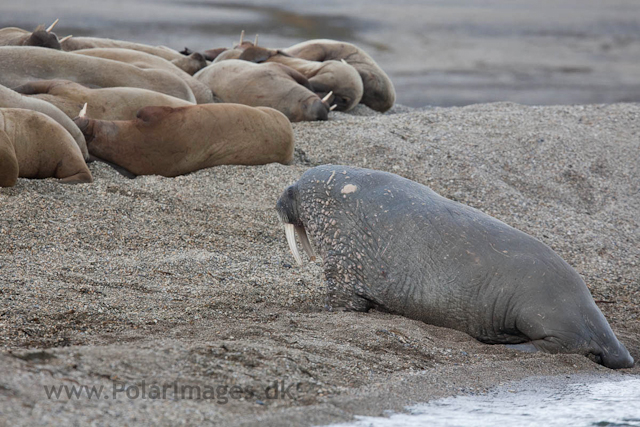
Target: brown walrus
20 65
379 93
175 141
147 61
77 43
12 99
33 145
268 85
114 103
12 36
337 77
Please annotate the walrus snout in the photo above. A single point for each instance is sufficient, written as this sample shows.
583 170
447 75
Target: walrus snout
42 38
288 211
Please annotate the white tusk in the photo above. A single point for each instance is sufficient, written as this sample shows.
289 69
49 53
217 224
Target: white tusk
304 240
326 98
52 25
64 39
241 37
333 107
255 42
291 239
344 62
83 112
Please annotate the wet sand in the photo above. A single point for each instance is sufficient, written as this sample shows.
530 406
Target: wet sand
436 53
188 280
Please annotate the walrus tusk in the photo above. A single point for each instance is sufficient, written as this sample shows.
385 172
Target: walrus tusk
83 112
52 25
344 62
304 240
64 39
288 231
255 42
326 98
241 37
333 107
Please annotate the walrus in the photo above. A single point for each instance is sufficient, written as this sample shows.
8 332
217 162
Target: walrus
379 93
20 65
33 145
267 85
77 43
337 77
12 36
144 60
393 244
113 103
175 141
12 99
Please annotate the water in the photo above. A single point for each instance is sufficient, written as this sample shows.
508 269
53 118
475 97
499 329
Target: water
436 52
614 403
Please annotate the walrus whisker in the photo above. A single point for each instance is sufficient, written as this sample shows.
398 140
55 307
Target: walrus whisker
83 112
327 96
255 42
52 25
304 240
241 37
291 240
333 107
64 39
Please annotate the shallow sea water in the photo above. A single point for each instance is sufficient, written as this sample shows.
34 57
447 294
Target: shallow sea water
615 403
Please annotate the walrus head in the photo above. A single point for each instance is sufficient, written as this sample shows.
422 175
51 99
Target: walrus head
43 38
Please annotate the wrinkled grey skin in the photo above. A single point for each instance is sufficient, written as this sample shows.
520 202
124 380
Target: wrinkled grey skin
393 244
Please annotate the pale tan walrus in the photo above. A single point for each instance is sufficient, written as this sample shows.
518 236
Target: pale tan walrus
33 145
379 93
175 141
113 103
147 61
267 85
12 36
191 64
12 99
20 65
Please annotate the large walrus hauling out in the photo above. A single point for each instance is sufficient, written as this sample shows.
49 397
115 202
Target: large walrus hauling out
33 145
190 64
393 244
12 36
113 103
20 65
147 61
12 99
379 93
265 85
176 141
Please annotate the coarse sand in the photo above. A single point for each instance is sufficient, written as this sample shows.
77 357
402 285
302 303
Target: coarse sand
188 281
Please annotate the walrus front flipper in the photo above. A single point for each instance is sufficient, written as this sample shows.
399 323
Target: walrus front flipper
298 77
34 88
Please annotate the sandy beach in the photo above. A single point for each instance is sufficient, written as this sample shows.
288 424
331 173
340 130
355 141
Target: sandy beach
129 283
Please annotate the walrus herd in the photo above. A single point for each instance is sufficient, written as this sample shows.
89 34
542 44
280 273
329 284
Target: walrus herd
386 242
